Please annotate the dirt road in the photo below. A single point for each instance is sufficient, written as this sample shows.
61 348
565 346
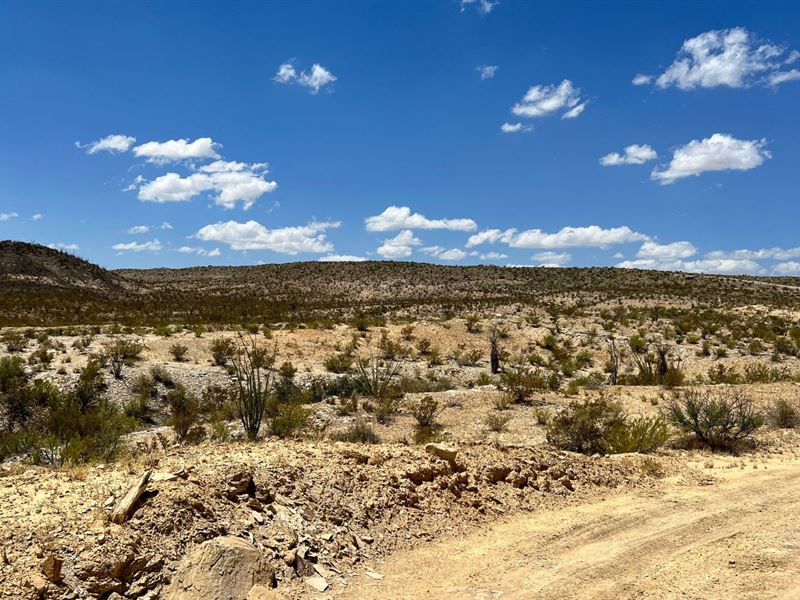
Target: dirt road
738 537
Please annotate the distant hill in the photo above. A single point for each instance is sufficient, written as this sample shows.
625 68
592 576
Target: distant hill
31 267
42 286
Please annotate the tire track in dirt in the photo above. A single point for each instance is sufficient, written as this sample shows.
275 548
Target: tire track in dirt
739 537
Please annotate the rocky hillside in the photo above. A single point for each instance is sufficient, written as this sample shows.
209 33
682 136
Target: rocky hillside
32 268
42 286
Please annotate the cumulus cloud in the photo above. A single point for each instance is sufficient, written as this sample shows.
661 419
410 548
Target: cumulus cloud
7 216
787 268
720 152
774 253
514 127
635 154
37 217
151 246
137 229
314 79
401 217
591 236
487 71
492 256
651 249
400 246
445 254
552 259
177 150
111 143
727 57
252 235
61 246
232 182
642 79
784 76
705 265
484 7
544 100
341 258
165 226
199 251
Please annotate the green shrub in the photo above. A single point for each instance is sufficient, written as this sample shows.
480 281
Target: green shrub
784 414
721 420
183 410
583 426
496 421
122 352
521 383
360 432
291 419
159 374
15 341
637 434
339 363
425 411
178 351
222 349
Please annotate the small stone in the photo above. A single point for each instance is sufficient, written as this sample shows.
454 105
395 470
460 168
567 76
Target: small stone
51 568
444 452
316 582
39 584
375 575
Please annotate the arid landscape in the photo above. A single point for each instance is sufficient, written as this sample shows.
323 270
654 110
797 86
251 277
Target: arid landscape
395 430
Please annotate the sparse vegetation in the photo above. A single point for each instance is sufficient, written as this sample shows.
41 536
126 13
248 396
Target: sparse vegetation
722 420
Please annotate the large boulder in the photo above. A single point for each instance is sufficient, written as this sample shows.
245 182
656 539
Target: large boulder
223 568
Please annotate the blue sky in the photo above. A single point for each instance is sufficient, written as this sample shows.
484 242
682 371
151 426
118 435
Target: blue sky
185 133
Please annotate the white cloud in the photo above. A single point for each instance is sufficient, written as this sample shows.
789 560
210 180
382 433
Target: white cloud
592 236
493 256
787 268
576 111
445 254
544 100
552 259
61 246
151 246
726 57
761 254
635 154
315 79
199 251
720 152
8 216
37 217
252 235
165 226
286 73
136 229
232 181
487 71
341 258
110 143
401 217
177 150
400 246
783 77
514 127
721 266
484 7
650 249
642 79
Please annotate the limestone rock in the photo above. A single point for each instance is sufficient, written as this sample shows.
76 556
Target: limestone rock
444 452
223 568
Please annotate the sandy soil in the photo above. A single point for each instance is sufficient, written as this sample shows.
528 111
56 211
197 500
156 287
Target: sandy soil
736 537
